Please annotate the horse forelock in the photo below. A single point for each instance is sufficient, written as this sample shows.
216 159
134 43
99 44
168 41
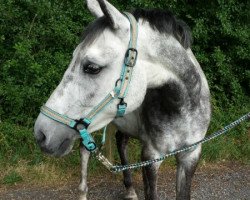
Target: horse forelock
95 29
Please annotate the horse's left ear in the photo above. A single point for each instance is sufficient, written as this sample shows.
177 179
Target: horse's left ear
116 18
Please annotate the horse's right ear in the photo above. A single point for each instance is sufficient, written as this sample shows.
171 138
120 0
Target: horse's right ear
94 8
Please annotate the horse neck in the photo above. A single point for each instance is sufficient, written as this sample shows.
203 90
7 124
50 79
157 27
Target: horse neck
157 55
164 58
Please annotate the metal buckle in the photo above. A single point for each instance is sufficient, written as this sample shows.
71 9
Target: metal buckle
133 58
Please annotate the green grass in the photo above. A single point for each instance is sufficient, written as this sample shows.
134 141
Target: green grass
21 161
235 144
11 178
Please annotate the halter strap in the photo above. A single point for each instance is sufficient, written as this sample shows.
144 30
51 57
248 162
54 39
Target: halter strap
119 92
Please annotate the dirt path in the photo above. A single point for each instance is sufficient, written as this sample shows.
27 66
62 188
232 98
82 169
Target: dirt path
223 182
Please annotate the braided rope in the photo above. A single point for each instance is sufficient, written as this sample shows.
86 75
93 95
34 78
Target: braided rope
119 168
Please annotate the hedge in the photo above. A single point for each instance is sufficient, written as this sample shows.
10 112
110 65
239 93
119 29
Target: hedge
37 39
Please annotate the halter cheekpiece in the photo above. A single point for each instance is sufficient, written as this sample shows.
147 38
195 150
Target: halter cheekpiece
119 92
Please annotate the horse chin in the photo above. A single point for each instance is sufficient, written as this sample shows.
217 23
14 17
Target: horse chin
62 152
64 149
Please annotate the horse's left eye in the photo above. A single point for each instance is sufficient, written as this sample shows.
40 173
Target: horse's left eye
92 68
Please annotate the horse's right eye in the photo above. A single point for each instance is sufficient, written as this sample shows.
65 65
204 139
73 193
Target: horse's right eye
92 68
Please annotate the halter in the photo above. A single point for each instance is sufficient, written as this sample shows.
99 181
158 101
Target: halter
119 92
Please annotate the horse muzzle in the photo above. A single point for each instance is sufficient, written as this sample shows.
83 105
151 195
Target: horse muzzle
52 137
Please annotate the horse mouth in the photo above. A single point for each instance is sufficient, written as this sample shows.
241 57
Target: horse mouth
64 148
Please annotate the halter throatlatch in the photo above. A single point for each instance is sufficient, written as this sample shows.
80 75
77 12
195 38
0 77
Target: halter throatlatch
120 92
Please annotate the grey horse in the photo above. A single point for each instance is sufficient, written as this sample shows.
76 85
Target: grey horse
168 102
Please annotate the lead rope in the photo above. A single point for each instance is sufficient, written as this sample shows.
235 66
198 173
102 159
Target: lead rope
120 168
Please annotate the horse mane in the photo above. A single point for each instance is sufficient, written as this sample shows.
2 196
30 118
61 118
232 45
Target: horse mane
160 20
166 22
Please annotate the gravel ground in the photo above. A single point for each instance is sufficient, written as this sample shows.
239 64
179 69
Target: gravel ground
222 182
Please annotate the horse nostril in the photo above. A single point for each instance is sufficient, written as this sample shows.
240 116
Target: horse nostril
41 138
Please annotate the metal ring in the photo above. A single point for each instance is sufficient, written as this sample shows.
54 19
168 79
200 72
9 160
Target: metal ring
116 83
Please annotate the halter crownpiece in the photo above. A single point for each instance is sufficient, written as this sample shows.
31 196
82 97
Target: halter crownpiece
119 92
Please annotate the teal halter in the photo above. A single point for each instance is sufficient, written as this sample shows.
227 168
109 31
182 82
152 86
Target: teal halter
119 92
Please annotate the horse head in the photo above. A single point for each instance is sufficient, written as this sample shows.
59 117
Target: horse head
93 72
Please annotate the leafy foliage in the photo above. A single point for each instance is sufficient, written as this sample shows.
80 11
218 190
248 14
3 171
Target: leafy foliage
37 39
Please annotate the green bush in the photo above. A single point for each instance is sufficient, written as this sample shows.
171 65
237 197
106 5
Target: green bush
37 39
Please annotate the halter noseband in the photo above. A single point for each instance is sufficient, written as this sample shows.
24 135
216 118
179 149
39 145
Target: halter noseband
119 92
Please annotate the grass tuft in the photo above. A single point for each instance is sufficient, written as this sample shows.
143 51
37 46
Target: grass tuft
12 178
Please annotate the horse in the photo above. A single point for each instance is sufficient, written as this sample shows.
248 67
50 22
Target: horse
167 103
